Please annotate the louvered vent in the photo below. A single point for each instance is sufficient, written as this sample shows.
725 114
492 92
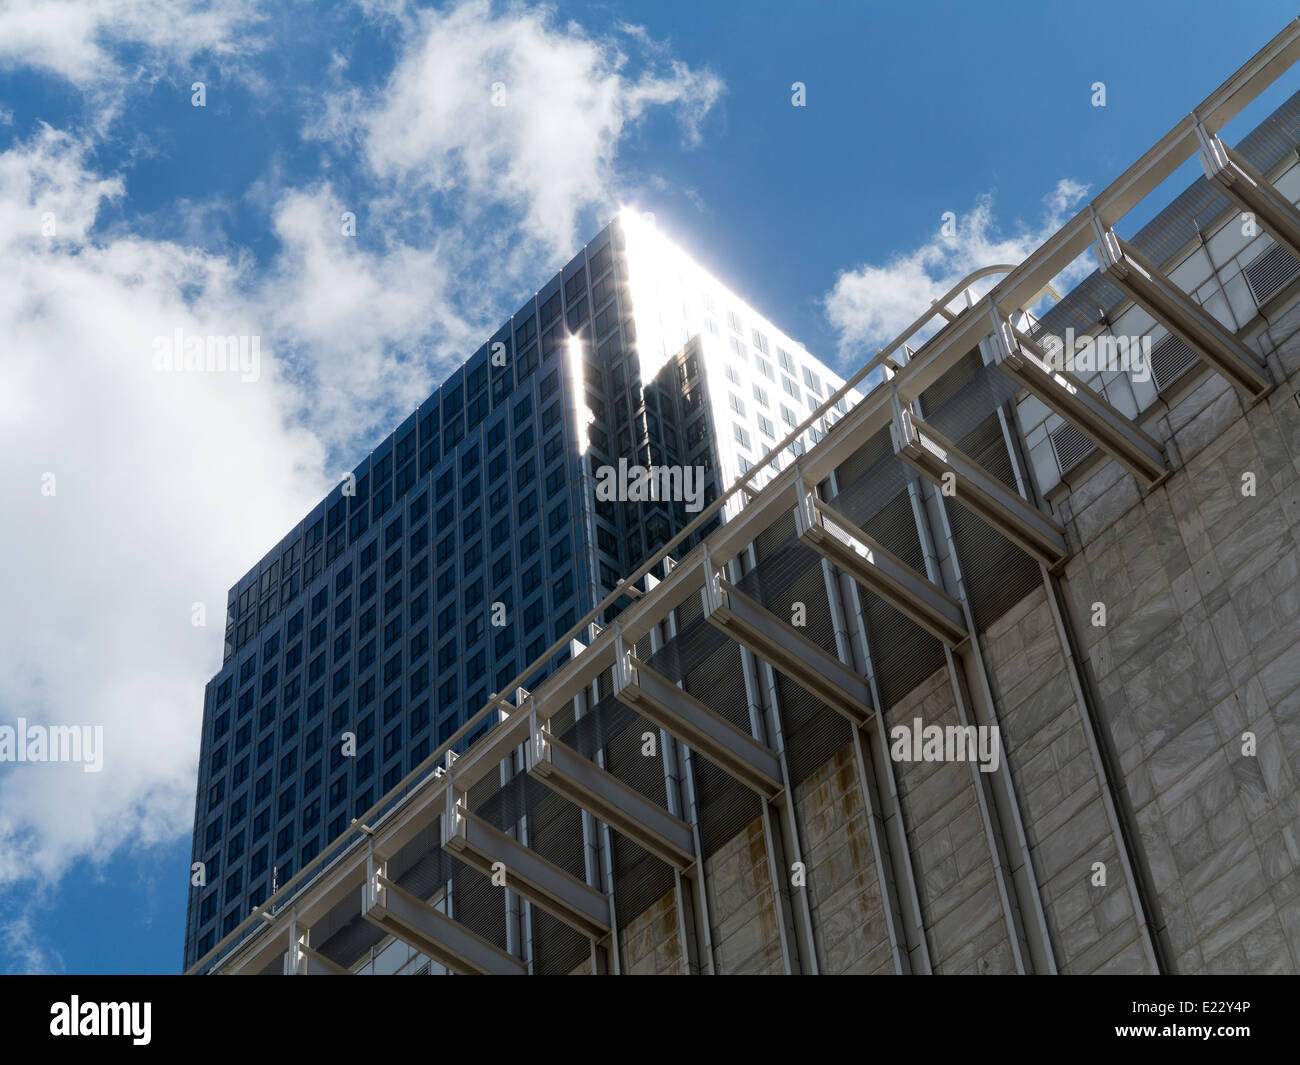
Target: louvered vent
1071 447
1270 272
1170 359
423 970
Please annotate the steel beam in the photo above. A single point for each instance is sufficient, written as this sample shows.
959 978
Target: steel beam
1250 191
872 565
301 959
755 627
937 459
585 784
543 883
423 928
1026 363
1142 281
706 732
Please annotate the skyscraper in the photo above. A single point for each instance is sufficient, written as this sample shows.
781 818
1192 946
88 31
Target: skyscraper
473 538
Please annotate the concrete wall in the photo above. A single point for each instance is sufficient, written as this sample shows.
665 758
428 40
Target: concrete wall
843 890
1202 644
651 943
1092 928
964 920
742 906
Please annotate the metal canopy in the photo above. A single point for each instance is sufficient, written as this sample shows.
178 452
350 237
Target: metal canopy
935 457
423 928
481 846
685 718
793 654
1173 308
1025 362
876 568
585 784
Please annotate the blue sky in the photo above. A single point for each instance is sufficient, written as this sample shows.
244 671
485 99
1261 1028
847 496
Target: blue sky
225 219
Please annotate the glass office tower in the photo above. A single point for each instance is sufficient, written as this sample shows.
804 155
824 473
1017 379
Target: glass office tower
469 541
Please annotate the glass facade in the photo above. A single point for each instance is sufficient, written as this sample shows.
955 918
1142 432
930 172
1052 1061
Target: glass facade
465 545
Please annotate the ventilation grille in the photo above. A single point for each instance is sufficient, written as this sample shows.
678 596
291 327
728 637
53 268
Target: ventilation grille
1170 359
1071 447
1270 272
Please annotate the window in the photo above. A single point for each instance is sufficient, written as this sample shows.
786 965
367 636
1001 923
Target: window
787 363
393 564
343 611
555 482
501 570
419 643
446 549
369 553
473 630
523 441
529 543
556 519
446 656
736 403
447 620
419 540
761 396
742 437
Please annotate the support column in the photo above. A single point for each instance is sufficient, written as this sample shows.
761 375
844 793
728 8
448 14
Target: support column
889 848
780 825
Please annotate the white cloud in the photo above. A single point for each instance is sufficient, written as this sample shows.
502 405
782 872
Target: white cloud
167 486
77 39
544 142
871 305
27 956
373 329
